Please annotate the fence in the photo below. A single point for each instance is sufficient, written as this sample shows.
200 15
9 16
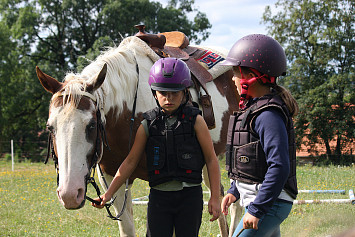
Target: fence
20 151
143 200
351 198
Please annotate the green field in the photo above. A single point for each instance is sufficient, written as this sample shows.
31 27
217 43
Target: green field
29 206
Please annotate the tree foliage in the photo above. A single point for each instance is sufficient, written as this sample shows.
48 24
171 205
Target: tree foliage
318 37
54 34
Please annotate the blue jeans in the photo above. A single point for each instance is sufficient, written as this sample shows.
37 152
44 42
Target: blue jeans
269 224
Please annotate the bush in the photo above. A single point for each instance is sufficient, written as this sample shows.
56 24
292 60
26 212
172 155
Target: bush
7 157
326 160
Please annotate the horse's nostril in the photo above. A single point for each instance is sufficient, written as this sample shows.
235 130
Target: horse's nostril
81 194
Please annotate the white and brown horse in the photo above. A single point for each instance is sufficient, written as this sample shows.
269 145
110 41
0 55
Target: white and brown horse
105 91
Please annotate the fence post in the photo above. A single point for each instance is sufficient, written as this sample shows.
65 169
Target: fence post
12 155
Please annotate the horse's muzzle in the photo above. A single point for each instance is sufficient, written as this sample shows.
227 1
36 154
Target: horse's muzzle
72 199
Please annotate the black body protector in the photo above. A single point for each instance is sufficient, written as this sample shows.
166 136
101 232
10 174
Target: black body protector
245 157
173 153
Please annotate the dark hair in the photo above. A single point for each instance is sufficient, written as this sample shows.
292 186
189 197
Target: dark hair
288 99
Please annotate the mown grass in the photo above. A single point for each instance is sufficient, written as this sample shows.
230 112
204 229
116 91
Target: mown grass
29 206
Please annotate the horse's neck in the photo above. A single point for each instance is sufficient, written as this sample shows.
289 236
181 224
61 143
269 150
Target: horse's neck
119 85
117 94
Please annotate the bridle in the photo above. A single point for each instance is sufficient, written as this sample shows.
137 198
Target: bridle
101 139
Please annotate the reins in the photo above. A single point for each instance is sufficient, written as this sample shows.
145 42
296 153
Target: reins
103 139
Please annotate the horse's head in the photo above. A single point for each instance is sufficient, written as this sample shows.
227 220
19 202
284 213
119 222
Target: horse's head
74 122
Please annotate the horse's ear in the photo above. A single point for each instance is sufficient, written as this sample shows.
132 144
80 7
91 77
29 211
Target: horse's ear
48 82
98 81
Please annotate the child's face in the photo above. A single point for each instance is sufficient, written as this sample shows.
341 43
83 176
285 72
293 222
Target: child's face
254 89
235 79
169 100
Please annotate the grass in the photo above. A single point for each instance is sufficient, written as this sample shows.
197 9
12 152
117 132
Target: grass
29 206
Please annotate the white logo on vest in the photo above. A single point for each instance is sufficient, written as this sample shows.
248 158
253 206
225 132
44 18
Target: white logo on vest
186 156
243 159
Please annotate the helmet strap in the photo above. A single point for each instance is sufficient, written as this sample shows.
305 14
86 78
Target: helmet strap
246 83
266 79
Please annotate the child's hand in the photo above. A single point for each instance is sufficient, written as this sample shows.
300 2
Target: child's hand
214 208
104 198
226 202
250 221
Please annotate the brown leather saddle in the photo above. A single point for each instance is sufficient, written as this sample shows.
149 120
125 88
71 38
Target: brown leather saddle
176 44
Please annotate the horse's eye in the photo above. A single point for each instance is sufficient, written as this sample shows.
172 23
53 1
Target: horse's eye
92 125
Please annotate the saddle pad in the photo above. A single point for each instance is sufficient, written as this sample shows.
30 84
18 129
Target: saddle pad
211 59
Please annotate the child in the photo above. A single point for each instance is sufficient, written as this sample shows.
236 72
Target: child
261 156
177 143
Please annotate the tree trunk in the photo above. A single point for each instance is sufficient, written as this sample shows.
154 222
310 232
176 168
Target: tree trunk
338 146
327 147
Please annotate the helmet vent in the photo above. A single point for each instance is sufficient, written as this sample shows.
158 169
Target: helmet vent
168 74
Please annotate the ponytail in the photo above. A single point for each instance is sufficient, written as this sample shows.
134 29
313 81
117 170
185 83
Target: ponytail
291 103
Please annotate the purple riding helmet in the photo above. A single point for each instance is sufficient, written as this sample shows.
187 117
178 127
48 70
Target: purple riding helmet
169 74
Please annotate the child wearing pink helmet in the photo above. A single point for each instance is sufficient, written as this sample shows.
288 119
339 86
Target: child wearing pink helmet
260 154
177 144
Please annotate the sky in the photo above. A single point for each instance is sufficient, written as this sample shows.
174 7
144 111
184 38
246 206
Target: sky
232 19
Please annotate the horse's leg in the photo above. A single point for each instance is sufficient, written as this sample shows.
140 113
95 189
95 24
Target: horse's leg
222 221
126 225
236 212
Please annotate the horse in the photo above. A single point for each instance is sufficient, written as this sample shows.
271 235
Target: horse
94 107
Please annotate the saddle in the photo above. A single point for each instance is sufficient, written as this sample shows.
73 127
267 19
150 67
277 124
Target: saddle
176 44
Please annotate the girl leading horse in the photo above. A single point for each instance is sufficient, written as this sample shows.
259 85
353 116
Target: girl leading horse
111 89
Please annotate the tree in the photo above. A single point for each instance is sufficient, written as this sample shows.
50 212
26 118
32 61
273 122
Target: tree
60 31
54 34
318 37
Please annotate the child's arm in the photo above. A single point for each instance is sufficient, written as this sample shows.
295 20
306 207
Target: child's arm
126 168
204 138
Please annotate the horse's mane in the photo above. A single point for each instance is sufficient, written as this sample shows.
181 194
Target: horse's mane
119 86
121 77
